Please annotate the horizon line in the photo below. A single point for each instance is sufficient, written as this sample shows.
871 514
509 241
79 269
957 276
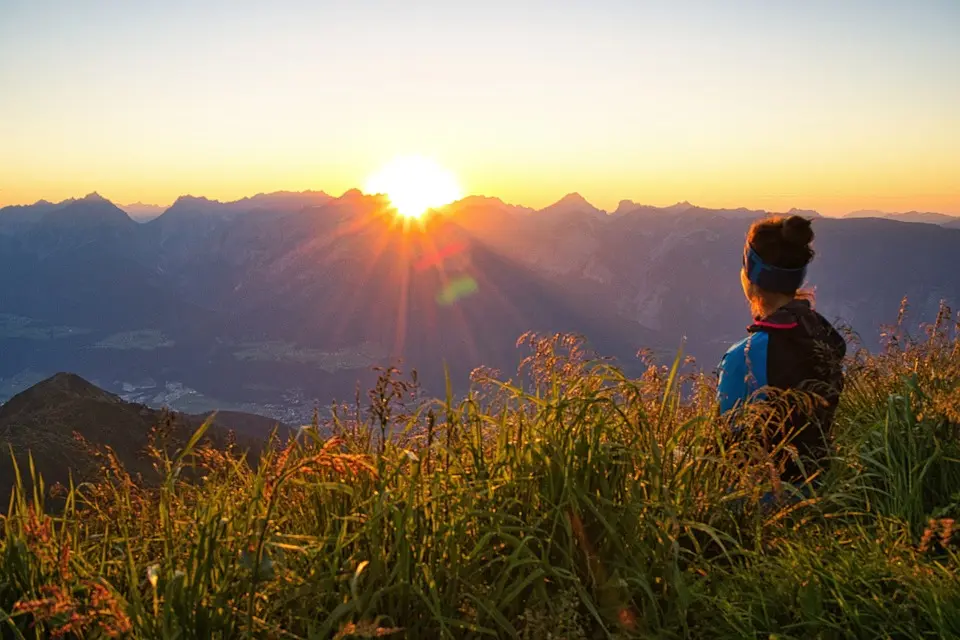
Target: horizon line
568 196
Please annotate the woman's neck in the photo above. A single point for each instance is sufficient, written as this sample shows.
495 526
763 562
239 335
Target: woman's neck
772 303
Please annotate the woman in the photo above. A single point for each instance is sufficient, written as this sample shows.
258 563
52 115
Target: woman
790 346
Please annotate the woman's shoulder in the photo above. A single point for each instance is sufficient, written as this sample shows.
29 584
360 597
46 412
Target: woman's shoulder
742 350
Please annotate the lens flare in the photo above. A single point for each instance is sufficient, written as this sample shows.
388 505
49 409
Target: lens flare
436 258
459 288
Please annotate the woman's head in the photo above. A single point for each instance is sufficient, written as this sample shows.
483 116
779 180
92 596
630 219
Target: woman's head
775 259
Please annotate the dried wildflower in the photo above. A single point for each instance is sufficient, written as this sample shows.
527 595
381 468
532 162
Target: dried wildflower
105 611
276 471
627 618
928 535
944 527
365 630
64 564
37 529
101 611
55 603
946 531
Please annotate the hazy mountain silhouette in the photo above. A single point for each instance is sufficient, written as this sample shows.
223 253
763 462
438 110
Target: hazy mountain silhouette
93 211
244 299
81 263
142 212
17 218
928 217
742 213
49 227
571 204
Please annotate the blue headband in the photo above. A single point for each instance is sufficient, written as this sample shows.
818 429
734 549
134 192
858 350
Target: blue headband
770 278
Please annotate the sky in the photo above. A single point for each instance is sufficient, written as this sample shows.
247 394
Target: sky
828 105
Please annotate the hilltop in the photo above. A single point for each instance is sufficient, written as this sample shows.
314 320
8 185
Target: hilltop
45 418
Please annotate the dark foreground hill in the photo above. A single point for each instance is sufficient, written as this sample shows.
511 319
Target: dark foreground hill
44 419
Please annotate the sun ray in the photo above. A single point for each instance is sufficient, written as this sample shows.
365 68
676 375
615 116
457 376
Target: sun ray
352 304
400 331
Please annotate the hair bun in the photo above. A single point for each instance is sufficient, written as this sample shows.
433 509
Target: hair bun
797 230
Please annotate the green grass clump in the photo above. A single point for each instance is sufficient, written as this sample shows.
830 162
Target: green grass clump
572 502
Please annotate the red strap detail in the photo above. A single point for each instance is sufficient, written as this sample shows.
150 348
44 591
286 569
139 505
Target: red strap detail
774 325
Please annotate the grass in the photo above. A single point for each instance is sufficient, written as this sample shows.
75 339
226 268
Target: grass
572 502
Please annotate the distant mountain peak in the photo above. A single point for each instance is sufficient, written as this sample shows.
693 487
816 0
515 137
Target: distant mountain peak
188 199
479 199
282 193
572 203
352 194
485 208
930 217
806 213
188 206
626 205
306 198
91 211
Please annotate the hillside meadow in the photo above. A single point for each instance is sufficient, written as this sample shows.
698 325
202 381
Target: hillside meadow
566 501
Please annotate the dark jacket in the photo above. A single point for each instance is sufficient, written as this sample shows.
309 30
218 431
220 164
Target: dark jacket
795 348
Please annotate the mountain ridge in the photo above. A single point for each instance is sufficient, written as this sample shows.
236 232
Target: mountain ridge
928 217
299 296
570 199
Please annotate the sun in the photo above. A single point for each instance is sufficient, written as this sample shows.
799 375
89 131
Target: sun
414 185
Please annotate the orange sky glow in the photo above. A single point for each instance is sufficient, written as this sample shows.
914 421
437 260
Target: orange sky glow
819 105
